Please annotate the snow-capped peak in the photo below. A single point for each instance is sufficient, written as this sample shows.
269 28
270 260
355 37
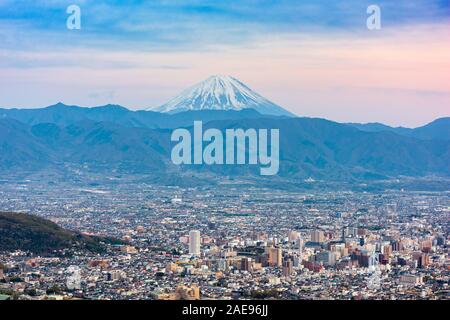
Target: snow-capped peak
220 93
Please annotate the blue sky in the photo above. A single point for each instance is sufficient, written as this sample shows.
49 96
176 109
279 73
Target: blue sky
175 24
141 53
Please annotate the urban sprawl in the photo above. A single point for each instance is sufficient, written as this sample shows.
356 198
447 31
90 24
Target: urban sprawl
227 242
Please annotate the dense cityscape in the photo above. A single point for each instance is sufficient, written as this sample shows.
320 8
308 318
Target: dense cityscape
232 242
207 159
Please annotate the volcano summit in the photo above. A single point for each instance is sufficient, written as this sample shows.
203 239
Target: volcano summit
221 93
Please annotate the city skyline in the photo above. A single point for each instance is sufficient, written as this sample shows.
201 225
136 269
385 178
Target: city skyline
202 244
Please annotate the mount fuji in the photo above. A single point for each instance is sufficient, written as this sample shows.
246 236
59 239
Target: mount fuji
221 93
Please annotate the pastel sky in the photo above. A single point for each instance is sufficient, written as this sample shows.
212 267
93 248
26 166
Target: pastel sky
313 57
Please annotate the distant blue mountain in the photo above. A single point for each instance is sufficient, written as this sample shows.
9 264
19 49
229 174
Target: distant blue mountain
438 129
62 114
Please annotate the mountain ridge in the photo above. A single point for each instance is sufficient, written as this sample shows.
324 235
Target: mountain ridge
20 231
309 147
437 129
62 114
221 93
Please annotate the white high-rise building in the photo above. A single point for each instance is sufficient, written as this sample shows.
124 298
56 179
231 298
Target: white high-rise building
73 281
194 242
300 248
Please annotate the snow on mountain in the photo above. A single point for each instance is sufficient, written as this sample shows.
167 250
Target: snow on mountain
221 93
